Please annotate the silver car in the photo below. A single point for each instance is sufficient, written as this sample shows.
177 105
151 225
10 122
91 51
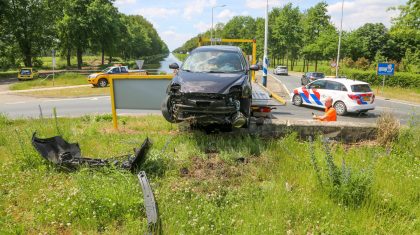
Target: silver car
281 70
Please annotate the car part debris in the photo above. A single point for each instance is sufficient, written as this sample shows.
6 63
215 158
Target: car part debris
60 152
153 221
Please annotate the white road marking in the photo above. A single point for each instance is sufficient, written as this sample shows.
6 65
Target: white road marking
284 86
19 102
399 102
81 98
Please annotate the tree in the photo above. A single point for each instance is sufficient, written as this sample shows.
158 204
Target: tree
287 30
315 23
372 38
105 23
29 23
405 29
75 27
241 27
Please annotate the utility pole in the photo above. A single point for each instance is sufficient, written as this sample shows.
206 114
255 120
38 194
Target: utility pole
211 31
265 62
339 41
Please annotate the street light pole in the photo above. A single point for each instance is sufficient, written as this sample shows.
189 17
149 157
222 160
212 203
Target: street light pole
265 62
211 31
339 40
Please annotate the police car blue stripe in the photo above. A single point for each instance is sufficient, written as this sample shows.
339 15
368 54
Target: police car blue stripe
304 98
317 101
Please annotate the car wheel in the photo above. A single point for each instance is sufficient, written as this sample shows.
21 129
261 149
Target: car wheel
102 82
340 108
167 110
297 100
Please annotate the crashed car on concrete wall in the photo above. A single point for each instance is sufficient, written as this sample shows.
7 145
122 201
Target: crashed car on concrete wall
213 86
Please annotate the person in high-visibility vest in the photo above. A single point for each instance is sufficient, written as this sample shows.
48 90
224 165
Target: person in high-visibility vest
330 113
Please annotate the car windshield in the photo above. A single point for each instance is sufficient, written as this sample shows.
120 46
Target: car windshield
361 88
282 67
213 62
318 75
106 70
25 72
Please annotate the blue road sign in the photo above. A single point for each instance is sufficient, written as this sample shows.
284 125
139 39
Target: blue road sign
385 69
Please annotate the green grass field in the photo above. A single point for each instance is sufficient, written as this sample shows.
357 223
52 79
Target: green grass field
207 184
65 79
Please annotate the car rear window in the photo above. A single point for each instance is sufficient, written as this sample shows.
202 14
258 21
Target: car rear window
25 72
361 88
318 75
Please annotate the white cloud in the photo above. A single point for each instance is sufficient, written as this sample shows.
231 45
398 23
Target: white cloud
196 7
259 4
174 39
359 12
225 15
156 12
202 27
124 2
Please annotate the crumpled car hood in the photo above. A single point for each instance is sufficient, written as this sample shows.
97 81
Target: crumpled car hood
208 82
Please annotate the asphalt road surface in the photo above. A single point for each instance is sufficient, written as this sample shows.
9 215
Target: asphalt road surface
402 110
71 107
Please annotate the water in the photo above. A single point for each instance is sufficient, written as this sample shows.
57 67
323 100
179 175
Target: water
161 65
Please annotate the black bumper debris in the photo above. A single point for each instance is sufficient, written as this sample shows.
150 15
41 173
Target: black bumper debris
68 155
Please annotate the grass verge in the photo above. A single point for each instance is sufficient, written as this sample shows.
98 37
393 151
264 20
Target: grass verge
66 79
406 94
207 184
69 92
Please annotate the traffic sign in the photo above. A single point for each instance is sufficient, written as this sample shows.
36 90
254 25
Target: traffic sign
385 69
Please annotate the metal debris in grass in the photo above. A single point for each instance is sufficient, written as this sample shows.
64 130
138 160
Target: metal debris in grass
58 151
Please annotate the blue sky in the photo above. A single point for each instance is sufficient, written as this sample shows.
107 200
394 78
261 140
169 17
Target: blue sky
178 20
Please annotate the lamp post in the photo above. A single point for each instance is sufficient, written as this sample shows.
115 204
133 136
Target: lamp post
265 59
339 40
211 31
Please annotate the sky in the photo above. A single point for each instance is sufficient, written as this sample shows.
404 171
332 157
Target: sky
179 20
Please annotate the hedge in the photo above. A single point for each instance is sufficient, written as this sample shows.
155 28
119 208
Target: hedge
400 79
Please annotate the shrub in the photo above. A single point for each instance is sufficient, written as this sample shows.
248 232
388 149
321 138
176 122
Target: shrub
345 186
400 79
388 128
348 62
362 63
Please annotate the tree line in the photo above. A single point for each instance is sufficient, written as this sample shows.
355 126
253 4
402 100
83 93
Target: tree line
310 36
32 28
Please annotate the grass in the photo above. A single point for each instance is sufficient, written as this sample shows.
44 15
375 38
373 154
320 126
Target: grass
69 92
407 94
65 79
181 57
206 184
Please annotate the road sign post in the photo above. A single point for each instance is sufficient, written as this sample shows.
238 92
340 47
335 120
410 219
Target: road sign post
53 63
385 69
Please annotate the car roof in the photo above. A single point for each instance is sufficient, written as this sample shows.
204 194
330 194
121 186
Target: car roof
218 48
345 81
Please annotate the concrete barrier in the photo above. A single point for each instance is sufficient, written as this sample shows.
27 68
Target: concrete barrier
343 131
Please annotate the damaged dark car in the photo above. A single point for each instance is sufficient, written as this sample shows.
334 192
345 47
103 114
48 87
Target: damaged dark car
213 86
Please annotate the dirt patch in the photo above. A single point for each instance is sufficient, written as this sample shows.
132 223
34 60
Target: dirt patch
212 168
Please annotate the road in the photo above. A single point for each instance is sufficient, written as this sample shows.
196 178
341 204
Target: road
402 110
71 107
21 106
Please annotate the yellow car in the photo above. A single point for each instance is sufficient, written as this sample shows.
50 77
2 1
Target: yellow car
27 74
102 79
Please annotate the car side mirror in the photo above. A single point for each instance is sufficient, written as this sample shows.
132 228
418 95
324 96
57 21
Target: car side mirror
254 67
174 66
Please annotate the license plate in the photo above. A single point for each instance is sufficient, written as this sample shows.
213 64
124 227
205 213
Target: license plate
366 98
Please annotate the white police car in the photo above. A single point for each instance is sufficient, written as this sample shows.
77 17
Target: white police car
348 95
